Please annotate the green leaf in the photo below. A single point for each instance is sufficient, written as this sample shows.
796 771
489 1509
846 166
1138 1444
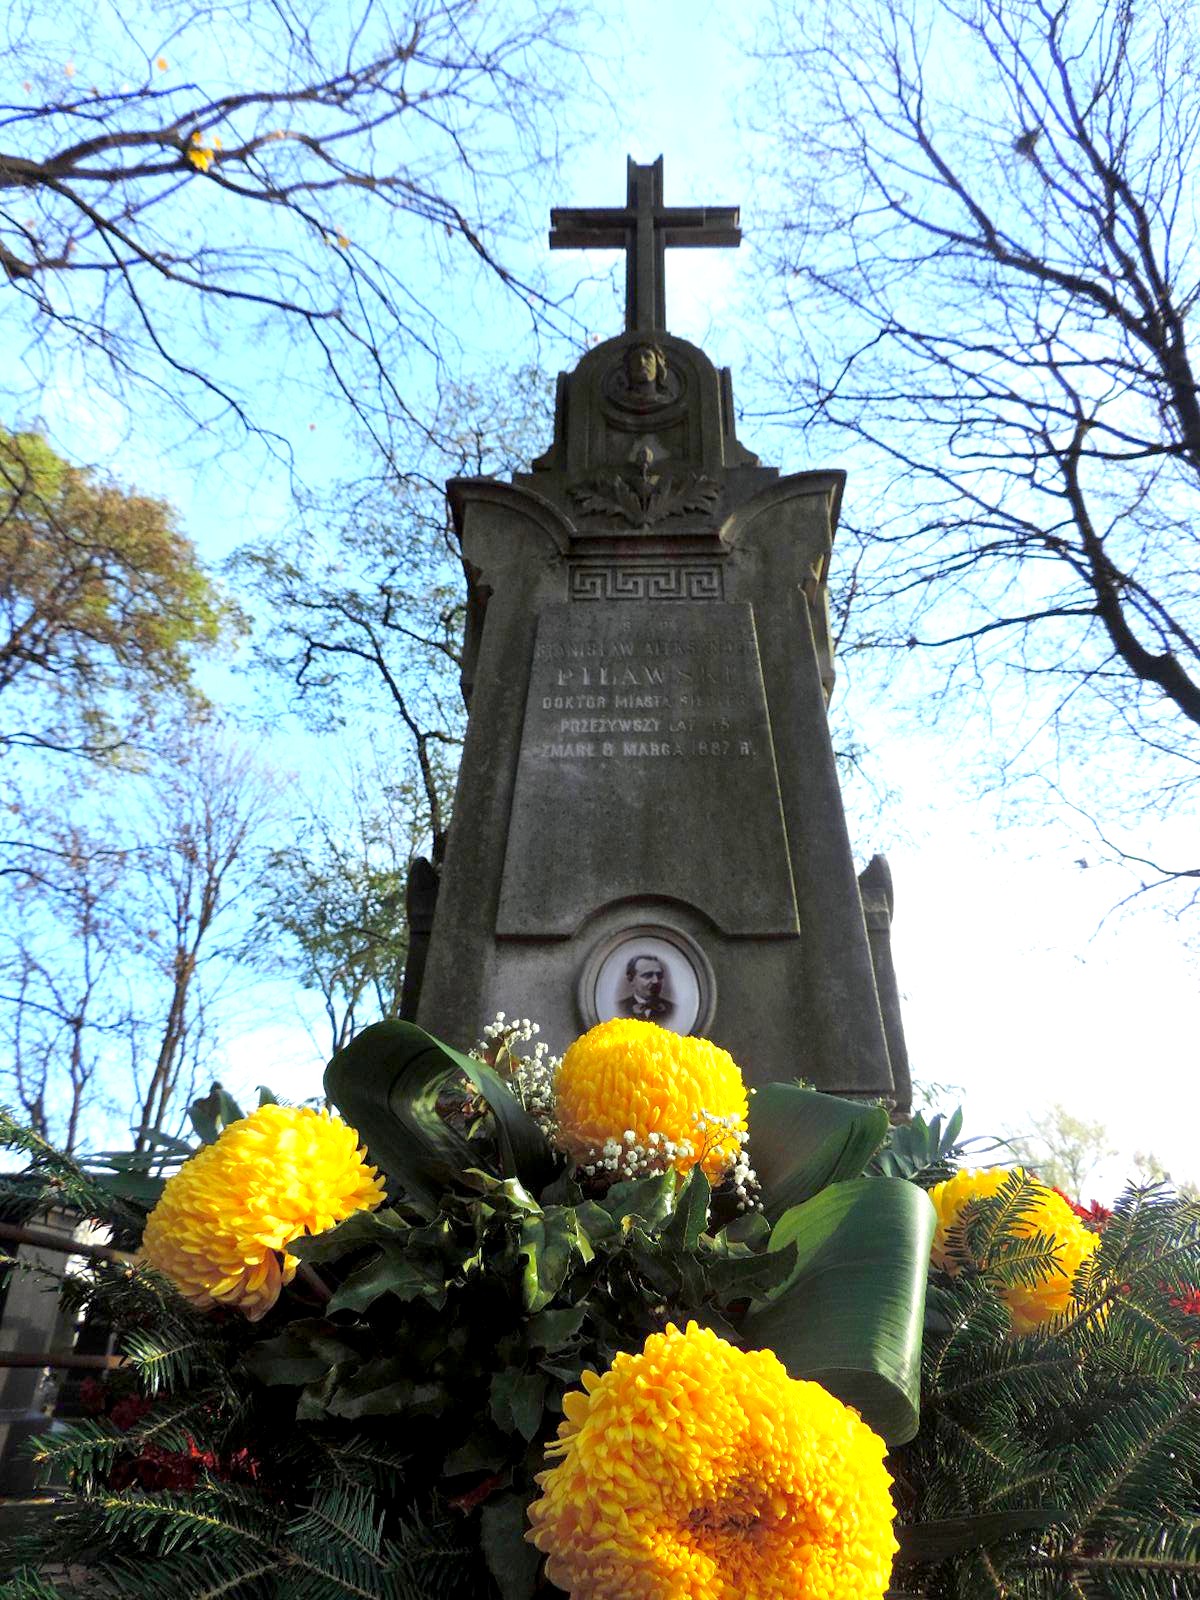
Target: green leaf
382 1388
918 1147
392 1272
511 1561
650 1199
849 1314
550 1330
731 1278
479 1454
213 1112
136 1186
801 1141
690 1217
751 1228
386 1083
382 1228
517 1402
303 1353
548 1242
597 1223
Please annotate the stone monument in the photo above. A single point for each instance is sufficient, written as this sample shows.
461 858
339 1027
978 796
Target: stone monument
648 820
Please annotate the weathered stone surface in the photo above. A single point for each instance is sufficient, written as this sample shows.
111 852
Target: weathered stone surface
647 723
648 819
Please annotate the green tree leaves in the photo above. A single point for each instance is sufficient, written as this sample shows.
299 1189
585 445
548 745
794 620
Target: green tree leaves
103 604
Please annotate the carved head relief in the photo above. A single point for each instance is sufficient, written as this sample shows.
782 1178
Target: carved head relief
642 380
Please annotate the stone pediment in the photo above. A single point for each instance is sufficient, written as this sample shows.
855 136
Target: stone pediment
644 438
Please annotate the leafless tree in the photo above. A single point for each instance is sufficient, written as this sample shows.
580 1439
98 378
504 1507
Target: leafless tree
176 178
119 940
332 897
63 1000
364 611
988 255
196 869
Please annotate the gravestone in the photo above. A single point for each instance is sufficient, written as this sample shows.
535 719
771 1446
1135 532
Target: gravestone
648 820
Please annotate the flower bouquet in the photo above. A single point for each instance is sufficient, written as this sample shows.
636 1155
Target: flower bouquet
615 1328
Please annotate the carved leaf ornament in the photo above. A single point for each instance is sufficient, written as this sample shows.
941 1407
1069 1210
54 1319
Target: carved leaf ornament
647 498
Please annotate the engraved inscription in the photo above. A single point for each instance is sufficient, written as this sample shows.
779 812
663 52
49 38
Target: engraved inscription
639 720
639 694
675 580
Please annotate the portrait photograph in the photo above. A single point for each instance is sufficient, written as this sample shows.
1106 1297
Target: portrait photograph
649 979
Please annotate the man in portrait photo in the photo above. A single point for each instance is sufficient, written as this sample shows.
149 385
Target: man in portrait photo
646 976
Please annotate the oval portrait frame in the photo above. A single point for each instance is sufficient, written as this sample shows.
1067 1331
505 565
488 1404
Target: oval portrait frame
681 945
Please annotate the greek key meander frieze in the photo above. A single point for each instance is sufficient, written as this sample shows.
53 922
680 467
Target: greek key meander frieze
674 580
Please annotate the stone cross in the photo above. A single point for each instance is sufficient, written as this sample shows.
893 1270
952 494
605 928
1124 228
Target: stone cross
643 228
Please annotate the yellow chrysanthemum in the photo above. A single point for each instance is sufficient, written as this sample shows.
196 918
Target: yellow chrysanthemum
1029 1305
697 1471
628 1077
223 1219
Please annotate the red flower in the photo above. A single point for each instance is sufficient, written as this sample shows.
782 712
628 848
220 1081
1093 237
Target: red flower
92 1396
1093 1216
129 1411
1188 1301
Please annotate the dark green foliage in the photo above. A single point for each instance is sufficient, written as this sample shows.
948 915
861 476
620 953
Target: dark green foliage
924 1152
1095 1419
864 1242
387 1083
377 1434
803 1141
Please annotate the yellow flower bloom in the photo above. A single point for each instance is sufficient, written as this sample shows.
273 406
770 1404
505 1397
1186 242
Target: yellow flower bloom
627 1076
1028 1305
697 1471
223 1219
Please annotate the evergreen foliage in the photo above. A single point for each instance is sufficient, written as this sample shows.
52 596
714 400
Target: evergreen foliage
376 1435
1094 1419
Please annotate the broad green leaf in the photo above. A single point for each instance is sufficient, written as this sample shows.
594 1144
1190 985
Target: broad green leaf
517 1400
849 1314
751 1228
661 1265
802 1140
383 1227
137 1186
511 1561
479 1454
304 1352
382 1388
918 1147
650 1199
548 1241
550 1330
690 1217
386 1084
392 1272
504 1194
213 1112
731 1278
596 1223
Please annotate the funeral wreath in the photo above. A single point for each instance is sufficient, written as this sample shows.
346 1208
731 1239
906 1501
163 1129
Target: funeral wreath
612 1327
